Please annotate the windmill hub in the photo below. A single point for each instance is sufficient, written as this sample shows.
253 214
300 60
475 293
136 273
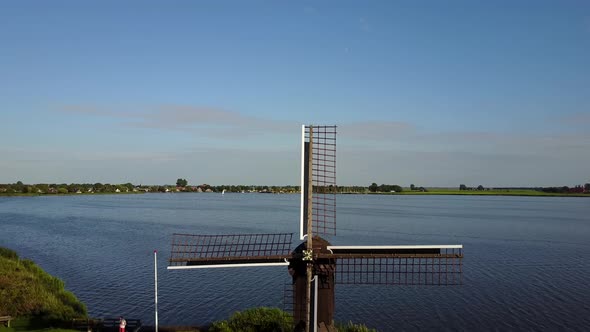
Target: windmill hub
323 267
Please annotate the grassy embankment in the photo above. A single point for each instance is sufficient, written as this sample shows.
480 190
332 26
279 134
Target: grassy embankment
494 192
34 298
265 319
38 301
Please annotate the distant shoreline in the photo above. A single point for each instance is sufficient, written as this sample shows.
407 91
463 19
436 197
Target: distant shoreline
522 193
532 193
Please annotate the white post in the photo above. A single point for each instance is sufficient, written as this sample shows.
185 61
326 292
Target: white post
301 217
156 285
315 303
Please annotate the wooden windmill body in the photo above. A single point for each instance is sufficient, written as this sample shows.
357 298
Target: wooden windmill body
315 265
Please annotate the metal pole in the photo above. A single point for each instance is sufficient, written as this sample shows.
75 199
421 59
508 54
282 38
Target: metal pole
315 303
309 229
156 285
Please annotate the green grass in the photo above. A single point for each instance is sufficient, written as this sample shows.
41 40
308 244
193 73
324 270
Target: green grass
255 320
265 319
31 325
28 291
351 327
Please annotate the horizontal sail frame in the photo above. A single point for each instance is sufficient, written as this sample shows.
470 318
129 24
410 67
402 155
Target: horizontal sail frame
200 250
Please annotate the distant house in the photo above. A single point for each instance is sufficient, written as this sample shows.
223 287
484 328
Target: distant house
117 190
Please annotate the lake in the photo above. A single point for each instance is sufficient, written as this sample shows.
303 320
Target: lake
526 264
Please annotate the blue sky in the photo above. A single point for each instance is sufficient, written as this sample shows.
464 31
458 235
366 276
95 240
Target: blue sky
426 92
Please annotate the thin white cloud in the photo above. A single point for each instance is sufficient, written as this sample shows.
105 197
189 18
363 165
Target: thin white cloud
373 130
575 119
368 151
186 118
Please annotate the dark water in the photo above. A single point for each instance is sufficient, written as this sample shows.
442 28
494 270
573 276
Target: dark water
526 266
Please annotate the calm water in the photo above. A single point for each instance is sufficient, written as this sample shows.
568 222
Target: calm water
526 263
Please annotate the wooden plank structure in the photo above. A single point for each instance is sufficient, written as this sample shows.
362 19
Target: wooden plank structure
104 324
5 321
315 265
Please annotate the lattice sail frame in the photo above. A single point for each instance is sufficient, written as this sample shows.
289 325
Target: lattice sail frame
321 140
230 250
399 265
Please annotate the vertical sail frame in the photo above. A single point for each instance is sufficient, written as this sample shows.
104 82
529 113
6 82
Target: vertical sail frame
323 174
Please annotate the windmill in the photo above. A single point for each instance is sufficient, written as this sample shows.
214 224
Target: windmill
316 265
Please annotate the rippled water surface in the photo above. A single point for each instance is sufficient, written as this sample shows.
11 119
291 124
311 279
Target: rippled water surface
526 263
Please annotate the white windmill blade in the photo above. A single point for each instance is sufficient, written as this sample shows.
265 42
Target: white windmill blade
393 249
302 219
234 264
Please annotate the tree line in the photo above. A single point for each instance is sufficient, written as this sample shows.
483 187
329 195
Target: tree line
182 185
578 189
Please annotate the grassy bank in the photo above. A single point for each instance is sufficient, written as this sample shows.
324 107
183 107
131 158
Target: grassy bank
265 319
28 291
31 325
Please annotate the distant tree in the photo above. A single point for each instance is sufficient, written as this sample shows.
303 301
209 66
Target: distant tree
396 188
373 187
577 189
43 187
587 187
181 183
462 187
72 187
480 187
62 190
18 187
412 187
